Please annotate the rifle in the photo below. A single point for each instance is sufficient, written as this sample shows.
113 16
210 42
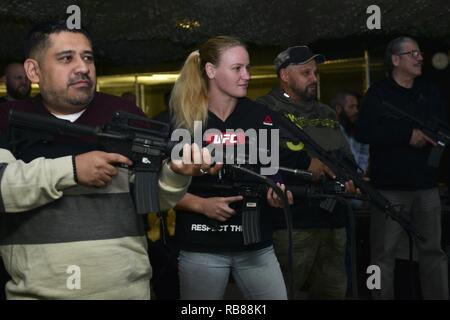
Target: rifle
234 181
142 140
251 186
323 189
255 189
329 190
344 171
434 128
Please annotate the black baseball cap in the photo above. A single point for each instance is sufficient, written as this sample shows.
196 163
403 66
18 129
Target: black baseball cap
296 55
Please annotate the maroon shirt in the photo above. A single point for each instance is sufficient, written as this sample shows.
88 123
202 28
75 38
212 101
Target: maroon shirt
98 112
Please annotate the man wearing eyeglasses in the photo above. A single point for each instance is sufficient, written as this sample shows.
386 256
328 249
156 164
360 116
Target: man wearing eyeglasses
399 168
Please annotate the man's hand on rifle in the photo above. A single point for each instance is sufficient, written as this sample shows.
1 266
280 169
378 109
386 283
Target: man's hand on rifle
275 201
195 162
96 168
318 169
218 208
419 139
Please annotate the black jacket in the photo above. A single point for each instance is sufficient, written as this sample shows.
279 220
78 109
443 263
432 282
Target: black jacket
394 164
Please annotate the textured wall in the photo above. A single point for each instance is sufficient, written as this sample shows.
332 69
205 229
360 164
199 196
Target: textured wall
147 32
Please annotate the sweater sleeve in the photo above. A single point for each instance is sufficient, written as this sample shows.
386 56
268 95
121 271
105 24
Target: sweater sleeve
172 187
376 126
25 186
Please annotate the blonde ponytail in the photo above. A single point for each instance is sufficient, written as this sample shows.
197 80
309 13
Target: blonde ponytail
189 98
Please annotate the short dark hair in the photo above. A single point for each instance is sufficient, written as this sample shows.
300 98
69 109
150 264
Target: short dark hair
339 98
395 47
37 38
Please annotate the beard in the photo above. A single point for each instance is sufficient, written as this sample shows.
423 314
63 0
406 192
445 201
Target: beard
81 100
309 93
68 103
82 96
20 93
347 124
69 99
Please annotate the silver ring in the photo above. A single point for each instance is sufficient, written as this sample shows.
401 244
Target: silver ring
203 171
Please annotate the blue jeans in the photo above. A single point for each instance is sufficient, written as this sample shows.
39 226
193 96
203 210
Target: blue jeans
204 276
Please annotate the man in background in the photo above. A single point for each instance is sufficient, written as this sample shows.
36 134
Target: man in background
346 105
18 86
400 170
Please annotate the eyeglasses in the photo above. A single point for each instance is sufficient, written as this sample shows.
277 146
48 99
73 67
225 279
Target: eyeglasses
413 53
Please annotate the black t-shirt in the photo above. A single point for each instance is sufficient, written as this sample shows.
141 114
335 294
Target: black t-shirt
195 231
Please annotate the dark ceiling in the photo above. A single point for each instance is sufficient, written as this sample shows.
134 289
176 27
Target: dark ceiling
153 34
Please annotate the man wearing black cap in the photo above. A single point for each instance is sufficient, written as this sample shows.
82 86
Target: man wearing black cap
319 236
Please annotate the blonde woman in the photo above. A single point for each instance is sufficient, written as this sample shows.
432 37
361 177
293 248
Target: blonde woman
211 88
